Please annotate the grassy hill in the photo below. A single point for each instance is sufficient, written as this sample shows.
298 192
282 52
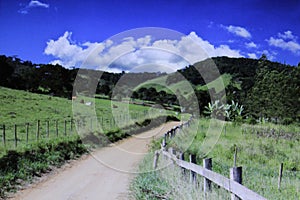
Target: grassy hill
24 109
160 84
20 107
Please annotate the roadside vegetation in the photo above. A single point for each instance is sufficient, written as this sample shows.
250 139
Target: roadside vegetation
261 112
32 158
20 166
260 151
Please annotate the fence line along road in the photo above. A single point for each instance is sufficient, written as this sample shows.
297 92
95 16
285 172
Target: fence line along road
233 185
228 184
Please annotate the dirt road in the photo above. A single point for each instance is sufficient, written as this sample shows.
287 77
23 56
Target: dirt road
105 174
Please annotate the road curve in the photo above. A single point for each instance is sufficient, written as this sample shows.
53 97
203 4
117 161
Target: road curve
104 174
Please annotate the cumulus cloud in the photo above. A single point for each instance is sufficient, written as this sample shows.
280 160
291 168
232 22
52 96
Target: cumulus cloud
33 4
285 41
271 55
251 45
252 55
237 30
287 35
133 54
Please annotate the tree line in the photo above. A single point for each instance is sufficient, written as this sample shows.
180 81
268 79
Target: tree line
267 90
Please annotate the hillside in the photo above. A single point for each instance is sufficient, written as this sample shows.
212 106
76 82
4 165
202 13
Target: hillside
268 90
18 106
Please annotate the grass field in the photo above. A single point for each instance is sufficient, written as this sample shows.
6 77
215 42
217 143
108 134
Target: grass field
58 116
160 85
260 151
59 129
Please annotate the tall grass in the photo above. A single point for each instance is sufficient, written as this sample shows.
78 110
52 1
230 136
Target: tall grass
169 182
260 155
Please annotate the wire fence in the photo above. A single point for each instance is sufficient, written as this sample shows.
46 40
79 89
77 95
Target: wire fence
14 135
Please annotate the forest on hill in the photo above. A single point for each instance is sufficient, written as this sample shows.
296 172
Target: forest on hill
267 90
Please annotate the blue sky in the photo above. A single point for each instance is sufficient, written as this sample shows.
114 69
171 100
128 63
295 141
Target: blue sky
65 32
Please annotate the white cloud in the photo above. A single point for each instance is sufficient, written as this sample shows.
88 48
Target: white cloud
33 4
131 53
252 55
285 41
237 30
251 45
271 55
287 35
38 4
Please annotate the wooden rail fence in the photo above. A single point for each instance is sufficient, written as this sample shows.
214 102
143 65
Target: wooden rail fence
232 184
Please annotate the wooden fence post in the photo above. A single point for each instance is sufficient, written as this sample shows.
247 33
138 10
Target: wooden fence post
47 129
173 133
27 132
3 136
56 127
235 156
171 151
16 137
165 139
155 161
181 157
280 175
65 128
192 159
207 164
236 175
71 126
38 130
164 144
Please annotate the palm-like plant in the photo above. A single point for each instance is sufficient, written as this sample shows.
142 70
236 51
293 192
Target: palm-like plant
231 111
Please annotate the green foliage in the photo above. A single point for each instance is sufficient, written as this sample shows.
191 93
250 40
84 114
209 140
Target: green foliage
149 185
19 166
232 112
275 95
260 150
268 90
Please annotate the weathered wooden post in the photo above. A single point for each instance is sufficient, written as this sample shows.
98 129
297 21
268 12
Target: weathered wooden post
27 132
280 175
236 175
207 164
56 127
71 126
38 130
181 157
164 144
172 151
192 159
16 137
47 129
3 136
65 127
235 156
155 161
